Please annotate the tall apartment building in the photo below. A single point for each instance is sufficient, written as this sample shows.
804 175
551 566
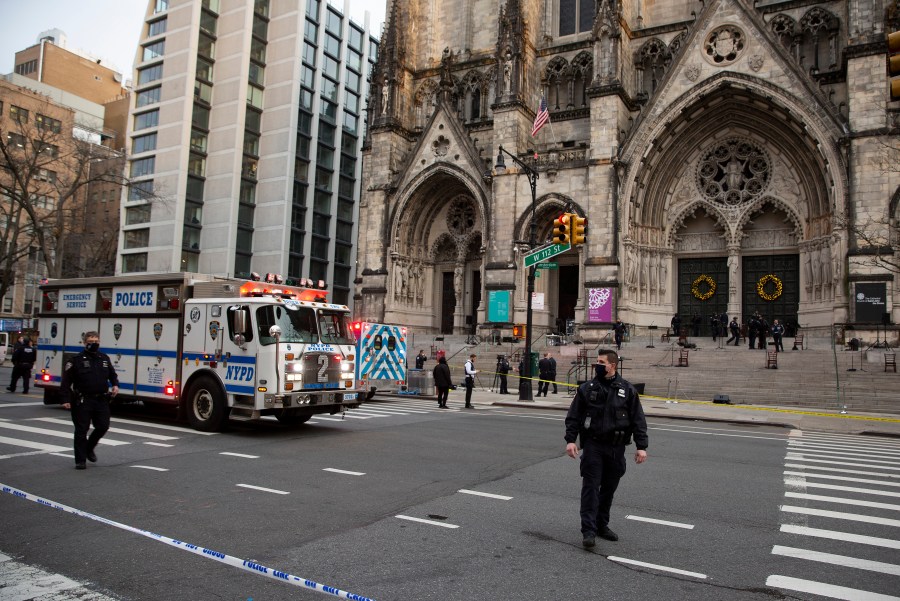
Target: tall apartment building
245 138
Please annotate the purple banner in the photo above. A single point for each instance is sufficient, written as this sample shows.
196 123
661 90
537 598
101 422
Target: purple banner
600 305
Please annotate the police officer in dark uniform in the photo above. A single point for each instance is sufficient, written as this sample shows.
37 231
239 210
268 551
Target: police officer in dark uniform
23 361
85 390
502 371
606 413
420 359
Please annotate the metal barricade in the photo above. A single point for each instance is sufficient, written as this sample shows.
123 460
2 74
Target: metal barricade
420 381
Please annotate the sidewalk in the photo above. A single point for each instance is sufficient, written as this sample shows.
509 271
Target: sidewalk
811 418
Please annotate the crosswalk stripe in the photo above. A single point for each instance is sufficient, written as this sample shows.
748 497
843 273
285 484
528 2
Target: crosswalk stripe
825 590
843 536
842 478
132 422
329 419
370 413
867 491
840 470
381 411
808 497
855 438
351 415
385 407
841 515
826 447
46 432
838 560
793 457
47 448
844 456
56 420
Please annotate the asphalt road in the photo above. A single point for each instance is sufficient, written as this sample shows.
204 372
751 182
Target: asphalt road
703 519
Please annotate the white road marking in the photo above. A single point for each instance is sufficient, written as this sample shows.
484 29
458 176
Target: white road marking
840 470
840 515
68 422
277 492
695 427
855 438
661 522
24 454
46 432
714 433
843 536
150 467
838 560
430 522
160 444
654 566
354 416
825 590
865 491
838 447
66 455
385 411
796 457
797 495
555 419
8 405
329 419
844 455
239 455
841 478
397 408
28 582
337 471
46 448
484 494
121 420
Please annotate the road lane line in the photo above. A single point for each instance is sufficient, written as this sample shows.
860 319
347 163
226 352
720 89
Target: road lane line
160 444
841 515
825 590
797 495
66 455
651 423
25 454
513 414
654 566
430 522
841 478
842 536
337 471
263 489
239 455
132 422
381 411
838 560
840 470
68 422
850 456
8 405
150 467
865 491
661 522
484 494
834 447
885 440
793 457
715 434
46 432
45 448
329 419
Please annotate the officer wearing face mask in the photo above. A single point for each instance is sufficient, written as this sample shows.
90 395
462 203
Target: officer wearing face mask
85 390
606 413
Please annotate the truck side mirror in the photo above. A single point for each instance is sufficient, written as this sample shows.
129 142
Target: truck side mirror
239 325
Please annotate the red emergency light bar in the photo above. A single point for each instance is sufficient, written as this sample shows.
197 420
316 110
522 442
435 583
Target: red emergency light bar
281 291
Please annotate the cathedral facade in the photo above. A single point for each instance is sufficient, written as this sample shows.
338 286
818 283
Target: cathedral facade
725 154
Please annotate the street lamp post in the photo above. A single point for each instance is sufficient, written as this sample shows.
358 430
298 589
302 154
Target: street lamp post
525 392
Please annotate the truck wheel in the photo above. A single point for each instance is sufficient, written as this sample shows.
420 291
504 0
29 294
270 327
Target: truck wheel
291 419
51 396
207 410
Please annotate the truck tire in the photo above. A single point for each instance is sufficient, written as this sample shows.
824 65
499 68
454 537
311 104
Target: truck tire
51 396
207 410
292 419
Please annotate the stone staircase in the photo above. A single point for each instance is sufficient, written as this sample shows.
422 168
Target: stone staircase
804 378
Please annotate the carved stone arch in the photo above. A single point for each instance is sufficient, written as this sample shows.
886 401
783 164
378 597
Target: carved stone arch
471 247
474 95
425 101
677 43
652 60
785 29
819 31
690 210
556 78
818 20
582 74
894 205
552 204
444 249
775 202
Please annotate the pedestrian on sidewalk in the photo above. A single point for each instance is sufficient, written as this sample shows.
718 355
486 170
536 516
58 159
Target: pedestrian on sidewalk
605 413
502 371
619 332
544 371
420 359
676 326
85 390
777 334
735 331
714 325
752 328
763 332
470 379
23 361
552 376
443 381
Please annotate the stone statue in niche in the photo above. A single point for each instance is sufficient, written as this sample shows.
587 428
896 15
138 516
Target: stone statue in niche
837 261
630 268
458 281
807 270
507 72
663 275
385 95
654 269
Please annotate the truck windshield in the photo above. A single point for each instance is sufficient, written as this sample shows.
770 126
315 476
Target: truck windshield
298 324
335 328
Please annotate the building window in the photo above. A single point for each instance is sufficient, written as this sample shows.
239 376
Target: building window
202 92
260 27
198 140
45 175
309 54
575 16
251 143
319 249
154 50
136 215
254 96
193 213
312 9
161 5
249 167
354 59
248 193
204 70
14 139
141 167
356 38
333 22
134 263
149 74
17 113
27 67
143 143
196 165
200 117
257 74
44 122
330 67
212 5
351 123
245 215
137 238
194 189
50 150
318 270
140 190
208 22
190 262
351 102
352 81
244 240
145 120
333 46
261 7
310 31
206 47
191 238
150 96
307 77
157 27
322 203
258 50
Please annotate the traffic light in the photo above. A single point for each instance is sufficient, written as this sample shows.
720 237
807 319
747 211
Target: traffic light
577 224
561 230
894 63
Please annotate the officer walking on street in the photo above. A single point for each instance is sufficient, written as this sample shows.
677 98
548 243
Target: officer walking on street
85 390
23 361
606 413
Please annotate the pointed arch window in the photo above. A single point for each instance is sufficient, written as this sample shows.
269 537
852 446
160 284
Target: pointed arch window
819 31
574 16
652 61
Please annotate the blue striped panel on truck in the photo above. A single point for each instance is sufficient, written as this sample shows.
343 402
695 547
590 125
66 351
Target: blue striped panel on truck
384 364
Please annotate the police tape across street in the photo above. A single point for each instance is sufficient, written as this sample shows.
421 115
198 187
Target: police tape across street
247 565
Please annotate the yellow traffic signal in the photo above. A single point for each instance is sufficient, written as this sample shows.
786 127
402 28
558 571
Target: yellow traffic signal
561 230
894 63
577 225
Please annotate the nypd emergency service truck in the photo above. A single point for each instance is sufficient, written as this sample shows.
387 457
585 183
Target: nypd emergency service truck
212 347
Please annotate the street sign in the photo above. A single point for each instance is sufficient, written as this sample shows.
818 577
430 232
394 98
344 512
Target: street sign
547 266
542 254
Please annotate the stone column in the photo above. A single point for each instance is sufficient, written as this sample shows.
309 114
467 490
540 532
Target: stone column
735 281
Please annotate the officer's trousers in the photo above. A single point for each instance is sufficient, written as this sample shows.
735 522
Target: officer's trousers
470 383
503 384
92 410
602 466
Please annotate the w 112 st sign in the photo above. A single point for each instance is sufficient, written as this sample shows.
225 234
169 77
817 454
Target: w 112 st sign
547 252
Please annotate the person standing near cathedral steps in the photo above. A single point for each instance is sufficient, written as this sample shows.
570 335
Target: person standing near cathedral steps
443 381
470 379
735 331
605 414
777 334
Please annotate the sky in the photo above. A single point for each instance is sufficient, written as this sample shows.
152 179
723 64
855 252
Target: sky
107 29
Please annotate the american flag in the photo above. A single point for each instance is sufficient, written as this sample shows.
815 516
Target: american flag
542 117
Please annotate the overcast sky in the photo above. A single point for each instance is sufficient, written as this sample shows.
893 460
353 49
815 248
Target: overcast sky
107 29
